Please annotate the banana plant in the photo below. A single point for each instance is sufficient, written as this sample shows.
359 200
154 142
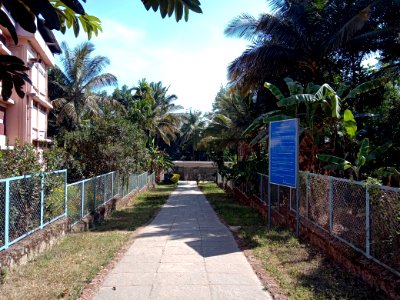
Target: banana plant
315 98
262 122
326 97
159 160
364 156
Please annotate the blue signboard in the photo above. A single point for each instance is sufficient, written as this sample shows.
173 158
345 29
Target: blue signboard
283 152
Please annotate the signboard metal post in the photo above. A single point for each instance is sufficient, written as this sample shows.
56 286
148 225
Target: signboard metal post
283 160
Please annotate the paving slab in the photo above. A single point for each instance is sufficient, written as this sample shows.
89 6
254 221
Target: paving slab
248 292
180 292
137 292
185 253
172 279
129 279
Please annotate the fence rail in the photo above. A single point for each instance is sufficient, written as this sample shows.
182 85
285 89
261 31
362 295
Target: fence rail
365 217
29 203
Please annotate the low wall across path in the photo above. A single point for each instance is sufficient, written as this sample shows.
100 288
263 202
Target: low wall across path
193 170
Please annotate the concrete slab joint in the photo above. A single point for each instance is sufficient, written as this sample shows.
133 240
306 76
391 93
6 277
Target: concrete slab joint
185 253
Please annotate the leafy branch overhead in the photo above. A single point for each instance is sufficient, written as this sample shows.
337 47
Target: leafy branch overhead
63 15
59 15
168 7
12 73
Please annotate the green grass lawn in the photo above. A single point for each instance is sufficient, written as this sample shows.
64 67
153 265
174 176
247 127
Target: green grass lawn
64 270
301 271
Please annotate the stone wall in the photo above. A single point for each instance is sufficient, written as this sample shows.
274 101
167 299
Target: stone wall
30 247
352 260
193 170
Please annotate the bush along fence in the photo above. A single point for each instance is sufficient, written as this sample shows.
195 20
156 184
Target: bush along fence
29 203
362 216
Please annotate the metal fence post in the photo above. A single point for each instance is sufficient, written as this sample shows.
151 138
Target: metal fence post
123 185
367 223
65 193
279 196
82 199
269 205
94 193
330 204
307 192
104 177
112 184
41 200
298 209
7 215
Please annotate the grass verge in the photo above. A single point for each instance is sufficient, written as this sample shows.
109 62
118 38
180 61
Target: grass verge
301 271
64 270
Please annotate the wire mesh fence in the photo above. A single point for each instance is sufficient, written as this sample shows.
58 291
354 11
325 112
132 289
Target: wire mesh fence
385 225
29 203
262 190
2 212
317 199
348 212
74 196
53 195
363 216
24 209
87 195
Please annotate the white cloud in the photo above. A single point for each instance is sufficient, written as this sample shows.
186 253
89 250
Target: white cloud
114 31
195 72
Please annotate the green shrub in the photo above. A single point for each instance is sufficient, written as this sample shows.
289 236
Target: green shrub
175 178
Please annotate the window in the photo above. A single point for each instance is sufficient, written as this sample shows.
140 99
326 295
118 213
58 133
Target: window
39 121
2 120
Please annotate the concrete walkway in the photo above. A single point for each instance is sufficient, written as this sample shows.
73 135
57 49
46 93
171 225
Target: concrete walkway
185 253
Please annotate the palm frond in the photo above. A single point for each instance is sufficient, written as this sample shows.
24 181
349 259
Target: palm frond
100 81
348 30
67 112
243 26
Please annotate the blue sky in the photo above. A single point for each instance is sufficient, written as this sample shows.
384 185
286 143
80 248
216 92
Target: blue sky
191 57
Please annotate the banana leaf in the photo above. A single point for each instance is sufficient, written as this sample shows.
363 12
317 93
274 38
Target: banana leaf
349 123
336 163
274 90
362 153
366 87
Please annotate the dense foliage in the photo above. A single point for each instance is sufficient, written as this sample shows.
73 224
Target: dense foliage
24 159
308 60
105 144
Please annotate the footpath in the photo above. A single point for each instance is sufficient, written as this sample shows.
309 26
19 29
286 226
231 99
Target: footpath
185 253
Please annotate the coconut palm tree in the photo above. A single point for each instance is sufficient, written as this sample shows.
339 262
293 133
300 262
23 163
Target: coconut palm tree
192 129
75 84
232 114
311 41
153 109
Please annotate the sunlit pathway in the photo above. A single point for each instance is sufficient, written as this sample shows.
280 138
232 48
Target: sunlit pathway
185 253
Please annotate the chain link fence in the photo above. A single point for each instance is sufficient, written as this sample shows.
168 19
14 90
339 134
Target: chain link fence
262 191
87 195
28 203
2 213
365 217
385 225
